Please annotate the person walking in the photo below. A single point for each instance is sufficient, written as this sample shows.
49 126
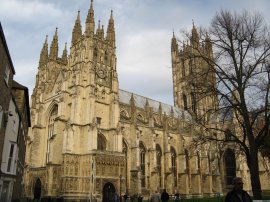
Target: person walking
164 196
176 197
237 194
155 197
140 198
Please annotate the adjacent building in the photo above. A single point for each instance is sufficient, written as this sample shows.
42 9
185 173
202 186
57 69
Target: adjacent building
14 123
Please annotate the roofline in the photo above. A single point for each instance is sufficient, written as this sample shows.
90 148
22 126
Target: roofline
2 35
21 87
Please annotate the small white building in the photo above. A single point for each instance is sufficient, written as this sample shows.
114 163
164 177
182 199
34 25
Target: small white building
9 153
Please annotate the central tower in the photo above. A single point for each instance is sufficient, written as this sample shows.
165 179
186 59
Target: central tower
76 137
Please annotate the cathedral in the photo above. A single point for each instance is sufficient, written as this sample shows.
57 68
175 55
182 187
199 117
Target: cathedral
89 139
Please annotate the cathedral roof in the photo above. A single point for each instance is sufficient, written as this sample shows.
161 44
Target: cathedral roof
140 102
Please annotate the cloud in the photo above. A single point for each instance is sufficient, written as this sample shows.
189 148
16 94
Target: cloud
29 11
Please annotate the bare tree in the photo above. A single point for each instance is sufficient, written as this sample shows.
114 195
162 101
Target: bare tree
240 63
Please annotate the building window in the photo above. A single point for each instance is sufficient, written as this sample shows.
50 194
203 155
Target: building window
193 102
183 69
1 115
51 123
174 167
142 163
12 158
159 155
6 75
95 53
101 144
185 101
230 166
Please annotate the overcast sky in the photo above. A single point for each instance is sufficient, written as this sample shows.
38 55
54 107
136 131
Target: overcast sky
143 34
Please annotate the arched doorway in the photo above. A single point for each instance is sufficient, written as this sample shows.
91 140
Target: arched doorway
108 192
37 189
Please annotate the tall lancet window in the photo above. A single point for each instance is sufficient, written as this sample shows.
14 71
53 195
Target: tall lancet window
230 166
174 166
125 151
95 53
185 101
142 163
183 69
51 125
193 102
159 155
101 142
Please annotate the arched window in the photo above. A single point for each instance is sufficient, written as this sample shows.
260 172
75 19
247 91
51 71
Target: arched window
187 161
174 166
228 135
230 166
101 142
142 163
185 101
193 102
51 134
106 57
190 67
159 155
125 151
95 54
183 69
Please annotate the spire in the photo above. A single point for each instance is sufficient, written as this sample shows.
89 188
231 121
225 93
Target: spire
174 45
110 30
43 59
132 100
102 32
98 28
77 30
54 46
64 55
194 37
90 21
160 108
208 44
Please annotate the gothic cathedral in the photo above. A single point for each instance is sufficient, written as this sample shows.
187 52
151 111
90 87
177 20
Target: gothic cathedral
89 139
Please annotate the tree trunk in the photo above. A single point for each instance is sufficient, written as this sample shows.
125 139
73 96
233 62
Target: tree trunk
254 174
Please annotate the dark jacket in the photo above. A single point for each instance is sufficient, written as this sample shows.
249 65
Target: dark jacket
164 196
233 197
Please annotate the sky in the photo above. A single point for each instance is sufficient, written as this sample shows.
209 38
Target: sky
143 34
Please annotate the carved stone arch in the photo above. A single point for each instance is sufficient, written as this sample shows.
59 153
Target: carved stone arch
51 107
101 142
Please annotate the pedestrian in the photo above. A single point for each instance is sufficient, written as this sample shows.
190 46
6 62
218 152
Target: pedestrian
132 198
125 197
164 196
176 197
155 197
140 198
237 194
116 198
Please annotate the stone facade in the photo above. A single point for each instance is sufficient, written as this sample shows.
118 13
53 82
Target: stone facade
90 139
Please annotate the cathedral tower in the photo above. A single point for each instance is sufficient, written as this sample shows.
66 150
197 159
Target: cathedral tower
190 74
75 114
